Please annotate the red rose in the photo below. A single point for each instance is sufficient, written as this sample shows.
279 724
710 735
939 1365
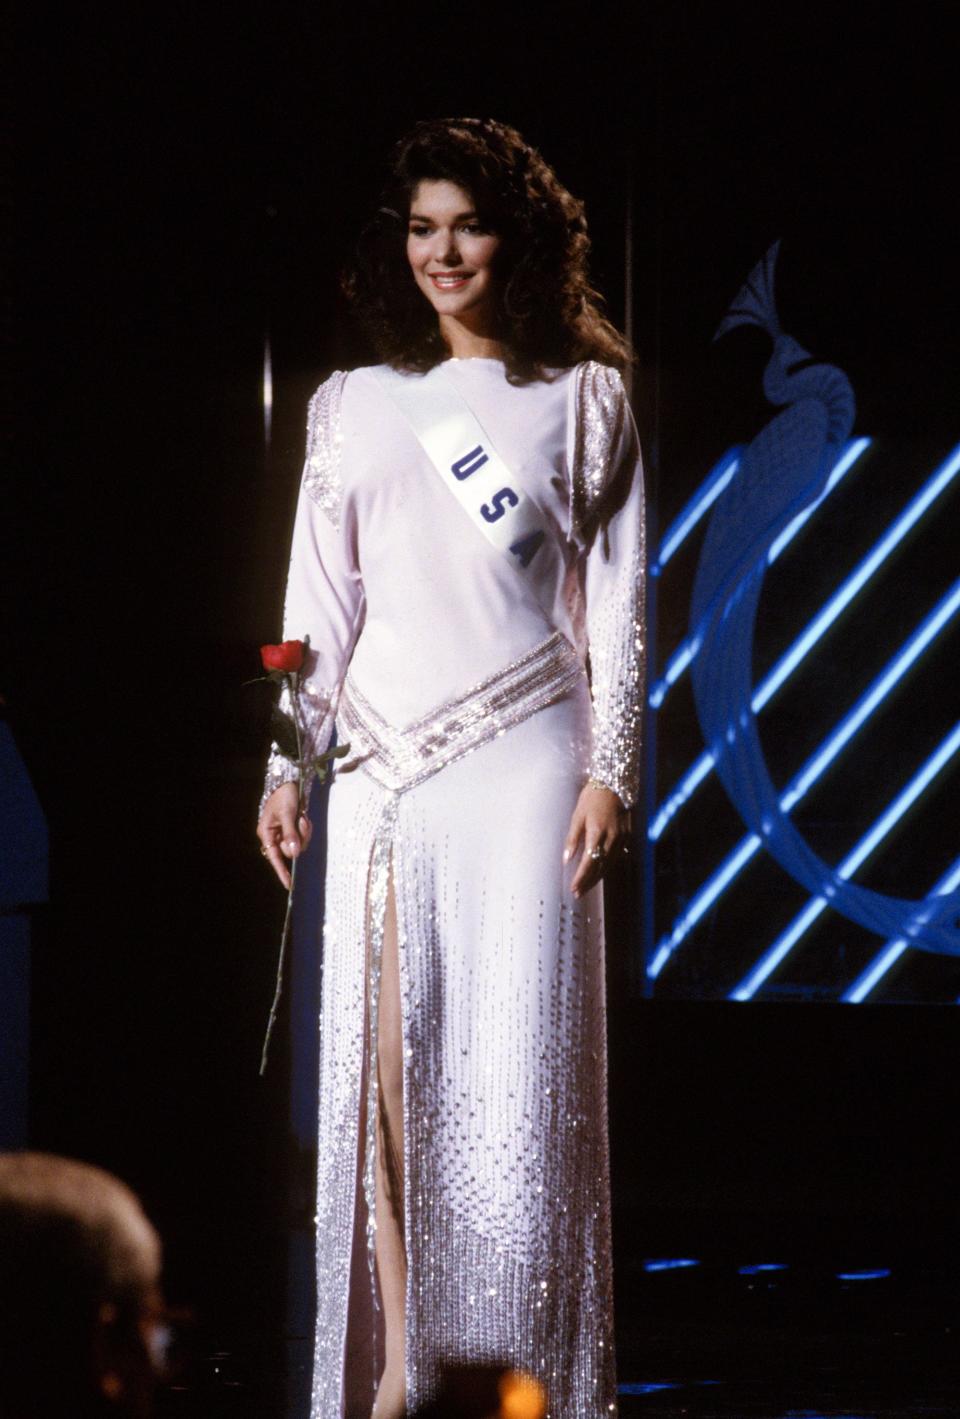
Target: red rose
288 656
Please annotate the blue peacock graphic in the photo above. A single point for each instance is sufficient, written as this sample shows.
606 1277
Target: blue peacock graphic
783 470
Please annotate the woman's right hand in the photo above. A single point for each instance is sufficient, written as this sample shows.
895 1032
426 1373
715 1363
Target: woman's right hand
279 832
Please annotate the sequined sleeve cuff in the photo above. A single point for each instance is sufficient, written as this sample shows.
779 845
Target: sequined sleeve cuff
605 775
280 770
617 651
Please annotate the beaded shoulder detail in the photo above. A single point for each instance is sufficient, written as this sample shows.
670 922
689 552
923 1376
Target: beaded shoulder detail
600 409
321 473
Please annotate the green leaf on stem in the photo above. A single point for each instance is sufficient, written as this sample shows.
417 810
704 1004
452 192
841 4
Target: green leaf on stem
284 734
322 764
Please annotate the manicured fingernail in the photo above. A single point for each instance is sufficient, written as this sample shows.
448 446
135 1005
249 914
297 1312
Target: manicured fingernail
566 854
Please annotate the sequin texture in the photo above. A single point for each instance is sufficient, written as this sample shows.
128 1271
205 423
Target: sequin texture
403 758
321 477
601 406
616 628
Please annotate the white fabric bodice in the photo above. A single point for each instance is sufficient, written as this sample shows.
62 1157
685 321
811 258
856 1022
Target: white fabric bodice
389 577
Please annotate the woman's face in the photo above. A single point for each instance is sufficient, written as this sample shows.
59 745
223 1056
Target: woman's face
451 253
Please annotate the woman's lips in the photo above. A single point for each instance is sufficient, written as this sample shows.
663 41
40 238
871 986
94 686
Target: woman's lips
449 283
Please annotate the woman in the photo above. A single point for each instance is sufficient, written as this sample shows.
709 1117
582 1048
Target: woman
469 532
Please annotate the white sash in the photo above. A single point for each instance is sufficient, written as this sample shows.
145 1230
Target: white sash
467 462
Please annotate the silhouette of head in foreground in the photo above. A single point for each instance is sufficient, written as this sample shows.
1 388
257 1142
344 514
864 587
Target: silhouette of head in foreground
79 1293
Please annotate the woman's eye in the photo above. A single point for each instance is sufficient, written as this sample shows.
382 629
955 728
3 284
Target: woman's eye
419 231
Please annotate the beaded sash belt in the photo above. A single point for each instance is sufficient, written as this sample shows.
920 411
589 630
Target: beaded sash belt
399 759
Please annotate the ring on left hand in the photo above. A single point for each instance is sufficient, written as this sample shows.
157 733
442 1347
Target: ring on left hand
598 853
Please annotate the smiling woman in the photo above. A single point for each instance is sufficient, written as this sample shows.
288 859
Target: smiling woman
452 255
512 218
469 538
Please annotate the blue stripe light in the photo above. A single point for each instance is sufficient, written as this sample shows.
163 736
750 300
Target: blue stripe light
924 635
698 506
675 668
686 651
815 630
855 583
652 1387
904 800
843 465
708 894
893 950
814 768
670 1264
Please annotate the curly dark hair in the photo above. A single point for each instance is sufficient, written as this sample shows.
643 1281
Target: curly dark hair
547 313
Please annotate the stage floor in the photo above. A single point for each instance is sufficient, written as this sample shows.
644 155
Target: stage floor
765 1338
771 1338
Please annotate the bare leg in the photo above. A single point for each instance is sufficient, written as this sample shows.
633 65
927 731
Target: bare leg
390 1249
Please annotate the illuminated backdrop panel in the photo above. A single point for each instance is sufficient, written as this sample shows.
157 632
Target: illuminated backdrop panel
798 829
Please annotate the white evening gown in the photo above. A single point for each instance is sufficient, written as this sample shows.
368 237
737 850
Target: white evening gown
461 687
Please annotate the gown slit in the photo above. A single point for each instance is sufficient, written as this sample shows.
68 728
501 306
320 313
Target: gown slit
363 1363
390 1196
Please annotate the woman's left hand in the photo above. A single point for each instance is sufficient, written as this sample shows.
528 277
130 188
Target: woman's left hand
601 827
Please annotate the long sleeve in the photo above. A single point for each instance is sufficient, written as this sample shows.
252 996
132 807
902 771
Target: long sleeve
607 522
324 596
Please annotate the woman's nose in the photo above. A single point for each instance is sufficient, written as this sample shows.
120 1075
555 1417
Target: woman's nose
447 244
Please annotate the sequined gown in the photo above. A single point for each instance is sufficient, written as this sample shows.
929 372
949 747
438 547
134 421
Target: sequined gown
462 688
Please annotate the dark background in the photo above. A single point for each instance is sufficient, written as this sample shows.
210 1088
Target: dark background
185 180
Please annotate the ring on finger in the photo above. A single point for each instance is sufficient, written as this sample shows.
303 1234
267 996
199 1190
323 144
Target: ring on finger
598 853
